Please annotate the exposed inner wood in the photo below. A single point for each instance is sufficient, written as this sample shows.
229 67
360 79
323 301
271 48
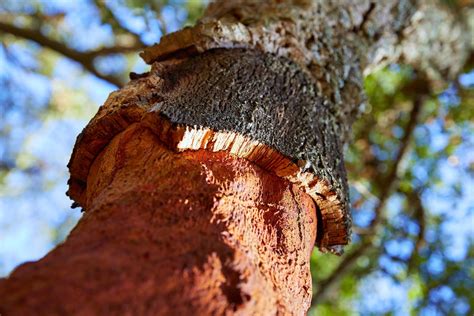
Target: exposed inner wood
195 232
181 138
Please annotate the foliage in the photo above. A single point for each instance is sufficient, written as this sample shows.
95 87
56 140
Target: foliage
421 249
410 164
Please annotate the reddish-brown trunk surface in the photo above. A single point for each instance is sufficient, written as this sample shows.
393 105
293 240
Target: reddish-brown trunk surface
165 233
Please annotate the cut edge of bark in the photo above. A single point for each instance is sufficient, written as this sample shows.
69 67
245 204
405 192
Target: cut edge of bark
197 39
333 230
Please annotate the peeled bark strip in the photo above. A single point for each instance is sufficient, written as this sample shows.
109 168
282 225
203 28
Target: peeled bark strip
166 233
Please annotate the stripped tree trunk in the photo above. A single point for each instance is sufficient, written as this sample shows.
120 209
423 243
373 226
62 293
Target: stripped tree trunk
207 181
193 233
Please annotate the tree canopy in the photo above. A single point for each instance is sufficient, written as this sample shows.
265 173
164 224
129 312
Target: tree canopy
410 161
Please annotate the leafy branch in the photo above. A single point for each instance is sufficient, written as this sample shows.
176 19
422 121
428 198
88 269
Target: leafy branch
387 184
86 59
109 16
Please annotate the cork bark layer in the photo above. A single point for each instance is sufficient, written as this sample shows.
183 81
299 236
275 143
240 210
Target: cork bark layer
331 44
192 233
263 98
335 42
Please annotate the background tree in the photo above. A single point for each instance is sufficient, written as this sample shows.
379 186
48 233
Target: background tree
410 167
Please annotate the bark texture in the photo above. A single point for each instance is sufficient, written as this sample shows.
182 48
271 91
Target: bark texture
334 43
267 98
166 233
202 180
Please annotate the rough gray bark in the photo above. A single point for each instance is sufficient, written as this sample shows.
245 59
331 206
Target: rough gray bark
333 43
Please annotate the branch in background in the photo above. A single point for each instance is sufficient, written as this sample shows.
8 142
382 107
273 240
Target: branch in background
157 10
86 59
109 16
12 59
323 286
414 198
419 216
116 50
389 180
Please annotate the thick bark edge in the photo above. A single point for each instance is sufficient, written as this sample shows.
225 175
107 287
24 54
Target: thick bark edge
181 138
240 96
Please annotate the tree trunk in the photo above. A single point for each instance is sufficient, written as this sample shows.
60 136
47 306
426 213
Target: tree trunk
207 181
175 234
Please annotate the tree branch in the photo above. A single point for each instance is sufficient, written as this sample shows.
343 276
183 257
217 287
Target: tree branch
86 59
324 286
419 215
116 50
391 177
389 180
109 14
